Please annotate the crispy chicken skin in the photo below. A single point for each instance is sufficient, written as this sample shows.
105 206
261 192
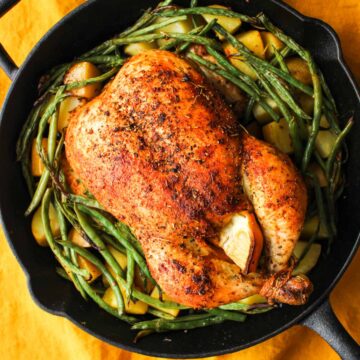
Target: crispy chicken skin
162 152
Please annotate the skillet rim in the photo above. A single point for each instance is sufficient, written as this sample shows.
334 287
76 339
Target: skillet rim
296 320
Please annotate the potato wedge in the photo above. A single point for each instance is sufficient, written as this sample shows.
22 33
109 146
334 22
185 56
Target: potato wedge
270 42
131 307
90 267
119 257
242 241
310 259
299 69
278 134
325 142
67 106
182 27
228 23
37 166
155 294
76 238
261 115
37 227
83 71
253 41
138 48
311 226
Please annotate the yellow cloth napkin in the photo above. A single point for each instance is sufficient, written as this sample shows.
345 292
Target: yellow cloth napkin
27 332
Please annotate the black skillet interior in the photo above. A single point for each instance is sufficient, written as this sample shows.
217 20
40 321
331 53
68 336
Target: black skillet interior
96 21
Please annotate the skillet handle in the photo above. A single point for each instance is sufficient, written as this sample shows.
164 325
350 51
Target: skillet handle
324 322
6 63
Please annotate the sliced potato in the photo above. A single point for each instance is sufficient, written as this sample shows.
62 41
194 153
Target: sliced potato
310 259
306 102
155 294
319 173
261 115
90 267
182 27
138 48
253 41
325 142
76 238
242 241
228 23
253 299
37 166
311 226
37 227
83 71
299 69
270 42
277 134
131 307
67 106
254 129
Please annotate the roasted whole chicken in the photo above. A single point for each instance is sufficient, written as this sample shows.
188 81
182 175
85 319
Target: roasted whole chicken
161 150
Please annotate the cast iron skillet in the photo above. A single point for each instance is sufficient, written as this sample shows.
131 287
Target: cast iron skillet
96 21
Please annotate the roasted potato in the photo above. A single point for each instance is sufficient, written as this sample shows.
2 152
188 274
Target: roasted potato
137 48
262 115
311 226
277 134
228 23
253 41
182 27
37 166
271 42
37 227
309 260
83 71
76 238
299 69
325 142
67 106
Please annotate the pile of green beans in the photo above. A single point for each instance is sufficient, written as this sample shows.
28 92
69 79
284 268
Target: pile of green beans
100 229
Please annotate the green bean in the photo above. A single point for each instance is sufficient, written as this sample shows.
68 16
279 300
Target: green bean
147 299
205 29
27 132
319 201
280 59
170 44
158 26
50 238
129 274
125 232
95 238
98 300
166 35
109 60
309 149
78 199
228 315
55 79
223 62
237 306
25 168
100 78
290 119
205 10
249 111
160 325
327 93
243 86
336 148
283 53
114 284
332 120
285 95
112 230
160 314
109 240
64 237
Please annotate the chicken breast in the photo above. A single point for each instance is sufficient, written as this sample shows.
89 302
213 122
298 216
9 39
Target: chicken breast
161 151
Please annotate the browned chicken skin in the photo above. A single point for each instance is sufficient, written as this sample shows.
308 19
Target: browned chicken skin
162 152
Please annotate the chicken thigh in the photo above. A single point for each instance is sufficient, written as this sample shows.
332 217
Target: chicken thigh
162 152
